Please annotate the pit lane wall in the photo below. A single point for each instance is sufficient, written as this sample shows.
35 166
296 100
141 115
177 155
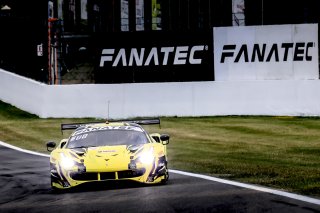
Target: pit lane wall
272 97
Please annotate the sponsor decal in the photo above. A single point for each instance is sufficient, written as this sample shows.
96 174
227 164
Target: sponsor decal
78 137
267 52
158 56
155 56
94 129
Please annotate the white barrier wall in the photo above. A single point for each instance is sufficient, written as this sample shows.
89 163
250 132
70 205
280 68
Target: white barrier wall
273 97
22 92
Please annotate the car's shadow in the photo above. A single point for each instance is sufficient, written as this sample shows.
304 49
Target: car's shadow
104 185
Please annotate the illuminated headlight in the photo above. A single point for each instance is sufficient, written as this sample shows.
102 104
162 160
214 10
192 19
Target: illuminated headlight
147 157
66 162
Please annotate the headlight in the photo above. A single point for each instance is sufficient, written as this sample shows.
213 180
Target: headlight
66 162
147 157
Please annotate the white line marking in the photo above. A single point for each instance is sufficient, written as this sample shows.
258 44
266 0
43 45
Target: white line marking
22 150
243 185
248 186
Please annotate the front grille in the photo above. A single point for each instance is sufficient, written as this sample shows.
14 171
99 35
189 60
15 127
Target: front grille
131 173
93 176
84 176
107 175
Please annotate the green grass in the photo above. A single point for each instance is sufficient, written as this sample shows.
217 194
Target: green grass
277 152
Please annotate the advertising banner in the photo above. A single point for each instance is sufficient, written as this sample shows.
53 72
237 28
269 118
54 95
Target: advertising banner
270 52
156 56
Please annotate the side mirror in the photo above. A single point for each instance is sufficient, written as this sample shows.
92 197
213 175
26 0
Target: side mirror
51 145
165 139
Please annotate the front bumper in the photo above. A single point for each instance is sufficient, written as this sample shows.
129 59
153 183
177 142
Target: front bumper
151 174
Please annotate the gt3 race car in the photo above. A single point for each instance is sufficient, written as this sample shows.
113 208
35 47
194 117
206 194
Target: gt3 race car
121 150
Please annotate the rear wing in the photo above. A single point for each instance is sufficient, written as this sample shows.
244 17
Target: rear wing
70 126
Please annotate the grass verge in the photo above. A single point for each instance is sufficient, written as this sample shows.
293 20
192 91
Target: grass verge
277 152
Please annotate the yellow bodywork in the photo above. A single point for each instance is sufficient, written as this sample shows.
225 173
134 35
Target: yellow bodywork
145 163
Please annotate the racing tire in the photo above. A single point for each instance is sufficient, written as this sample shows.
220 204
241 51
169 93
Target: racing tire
165 180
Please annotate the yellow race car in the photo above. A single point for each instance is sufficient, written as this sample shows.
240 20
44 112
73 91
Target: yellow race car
119 150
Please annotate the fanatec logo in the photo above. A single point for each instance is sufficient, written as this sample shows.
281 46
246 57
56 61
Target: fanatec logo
157 56
276 52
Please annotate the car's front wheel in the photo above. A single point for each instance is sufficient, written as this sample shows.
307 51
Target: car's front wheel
166 177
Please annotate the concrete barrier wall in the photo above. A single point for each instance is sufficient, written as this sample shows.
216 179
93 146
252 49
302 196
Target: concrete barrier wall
272 97
22 92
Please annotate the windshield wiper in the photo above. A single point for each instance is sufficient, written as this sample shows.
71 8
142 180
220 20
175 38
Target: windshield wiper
79 147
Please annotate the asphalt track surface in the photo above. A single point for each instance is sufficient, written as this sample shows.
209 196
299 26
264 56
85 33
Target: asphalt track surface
25 187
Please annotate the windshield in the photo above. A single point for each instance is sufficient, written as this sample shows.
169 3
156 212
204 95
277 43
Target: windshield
109 137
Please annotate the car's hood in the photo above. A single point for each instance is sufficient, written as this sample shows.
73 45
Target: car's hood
107 158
